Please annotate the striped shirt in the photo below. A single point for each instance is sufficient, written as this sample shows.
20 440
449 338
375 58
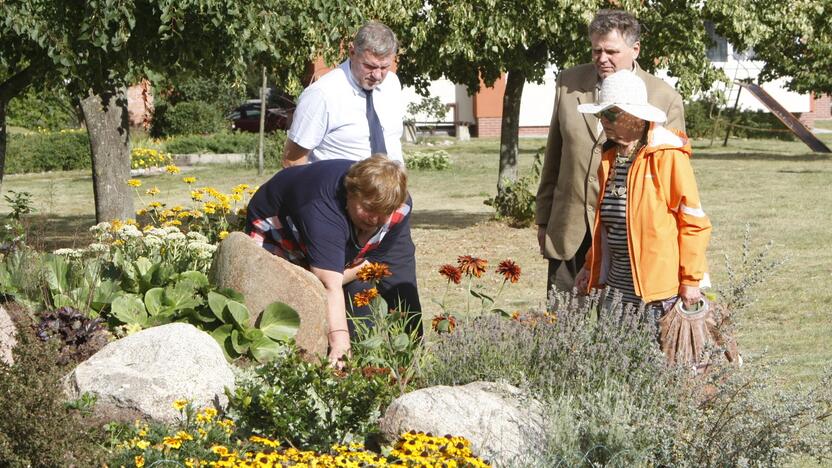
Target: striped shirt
614 222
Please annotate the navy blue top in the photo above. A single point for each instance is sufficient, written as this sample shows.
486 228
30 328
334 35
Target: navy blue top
310 202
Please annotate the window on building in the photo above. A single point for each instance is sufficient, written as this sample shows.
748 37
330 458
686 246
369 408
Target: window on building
718 52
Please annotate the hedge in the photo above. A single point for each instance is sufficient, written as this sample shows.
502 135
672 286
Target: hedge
48 151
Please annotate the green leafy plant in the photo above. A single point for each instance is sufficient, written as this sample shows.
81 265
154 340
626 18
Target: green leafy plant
20 203
430 160
515 201
310 405
65 150
187 117
390 339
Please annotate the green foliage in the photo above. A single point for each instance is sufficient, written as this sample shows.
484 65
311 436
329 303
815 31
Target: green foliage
226 142
308 405
217 91
51 110
48 151
36 429
431 108
515 201
186 118
703 120
20 203
428 160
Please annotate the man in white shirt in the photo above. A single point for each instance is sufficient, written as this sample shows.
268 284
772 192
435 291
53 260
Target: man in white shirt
334 117
354 112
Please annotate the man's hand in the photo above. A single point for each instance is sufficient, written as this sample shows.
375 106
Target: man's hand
541 238
294 154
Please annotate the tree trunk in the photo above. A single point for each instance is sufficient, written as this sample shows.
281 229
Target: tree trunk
10 88
509 131
106 118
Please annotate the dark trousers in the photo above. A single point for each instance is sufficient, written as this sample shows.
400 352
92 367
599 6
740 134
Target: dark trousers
399 290
565 280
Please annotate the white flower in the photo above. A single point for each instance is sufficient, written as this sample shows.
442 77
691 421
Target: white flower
196 237
96 247
69 253
176 236
129 231
202 250
154 231
153 241
172 229
100 228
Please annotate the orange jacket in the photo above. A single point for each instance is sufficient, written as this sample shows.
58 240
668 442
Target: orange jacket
667 230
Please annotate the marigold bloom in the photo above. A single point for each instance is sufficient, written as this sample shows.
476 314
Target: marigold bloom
179 405
373 272
134 183
509 270
451 272
171 169
223 234
472 266
139 460
172 442
189 180
360 299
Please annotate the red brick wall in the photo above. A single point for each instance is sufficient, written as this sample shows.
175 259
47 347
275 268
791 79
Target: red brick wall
489 126
821 109
534 131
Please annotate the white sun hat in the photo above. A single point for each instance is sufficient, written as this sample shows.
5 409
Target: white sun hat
625 90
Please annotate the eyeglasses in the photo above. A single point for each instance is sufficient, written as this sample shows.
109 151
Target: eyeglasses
608 114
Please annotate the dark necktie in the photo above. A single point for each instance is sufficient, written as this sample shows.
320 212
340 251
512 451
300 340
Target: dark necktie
376 133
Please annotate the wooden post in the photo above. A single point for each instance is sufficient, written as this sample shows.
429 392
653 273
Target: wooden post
736 104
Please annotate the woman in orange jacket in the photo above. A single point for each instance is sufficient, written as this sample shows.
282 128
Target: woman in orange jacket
650 232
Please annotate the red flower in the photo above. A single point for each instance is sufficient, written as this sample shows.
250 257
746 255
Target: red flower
509 270
373 272
360 299
451 272
472 266
444 323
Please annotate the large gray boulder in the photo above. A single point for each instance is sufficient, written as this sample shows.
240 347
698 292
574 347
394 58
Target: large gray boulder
8 337
263 278
503 425
142 374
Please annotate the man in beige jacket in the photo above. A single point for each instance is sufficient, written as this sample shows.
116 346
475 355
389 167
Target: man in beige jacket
568 192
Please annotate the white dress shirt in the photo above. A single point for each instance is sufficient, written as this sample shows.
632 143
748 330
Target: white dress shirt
331 117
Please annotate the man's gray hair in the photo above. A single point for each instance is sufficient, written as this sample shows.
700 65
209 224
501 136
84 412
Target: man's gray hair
607 21
377 38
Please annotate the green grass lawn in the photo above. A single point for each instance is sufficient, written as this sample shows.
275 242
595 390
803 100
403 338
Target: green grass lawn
779 189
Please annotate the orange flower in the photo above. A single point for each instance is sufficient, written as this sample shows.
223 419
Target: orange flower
373 272
509 270
360 299
444 323
472 266
451 272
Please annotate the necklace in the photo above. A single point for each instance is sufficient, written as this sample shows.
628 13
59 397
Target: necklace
621 160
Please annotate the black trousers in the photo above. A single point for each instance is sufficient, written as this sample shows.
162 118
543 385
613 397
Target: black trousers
573 266
399 290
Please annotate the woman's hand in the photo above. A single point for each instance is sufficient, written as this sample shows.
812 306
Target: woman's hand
582 281
339 347
690 295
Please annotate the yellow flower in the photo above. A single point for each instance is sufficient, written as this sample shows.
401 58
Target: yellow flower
139 461
171 169
154 205
179 405
153 191
172 442
219 450
223 235
142 444
196 195
134 183
141 212
182 435
189 180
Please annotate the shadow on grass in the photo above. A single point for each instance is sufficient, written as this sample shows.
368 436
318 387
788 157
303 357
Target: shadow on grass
47 232
742 156
446 219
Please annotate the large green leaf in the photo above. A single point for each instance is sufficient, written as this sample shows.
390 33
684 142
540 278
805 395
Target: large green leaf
153 300
239 342
401 342
216 302
57 269
231 294
104 294
129 309
265 350
279 321
182 295
237 313
198 278
222 335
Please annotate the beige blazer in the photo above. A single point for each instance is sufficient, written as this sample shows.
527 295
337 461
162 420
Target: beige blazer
568 191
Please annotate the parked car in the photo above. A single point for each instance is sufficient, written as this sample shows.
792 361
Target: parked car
246 118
